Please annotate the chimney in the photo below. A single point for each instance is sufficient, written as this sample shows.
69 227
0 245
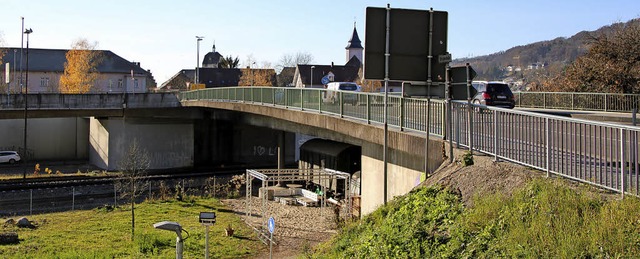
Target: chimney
332 64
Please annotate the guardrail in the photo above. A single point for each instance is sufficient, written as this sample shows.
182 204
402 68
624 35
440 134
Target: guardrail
609 102
89 101
601 154
404 113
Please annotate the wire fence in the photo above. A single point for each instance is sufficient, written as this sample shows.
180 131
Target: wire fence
46 200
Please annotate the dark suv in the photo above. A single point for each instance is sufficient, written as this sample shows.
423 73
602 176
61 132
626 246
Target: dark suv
493 94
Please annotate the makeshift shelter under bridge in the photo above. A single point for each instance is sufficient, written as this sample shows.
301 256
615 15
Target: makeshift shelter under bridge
290 185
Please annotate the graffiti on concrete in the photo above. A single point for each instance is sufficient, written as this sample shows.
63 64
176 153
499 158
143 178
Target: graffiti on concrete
170 159
265 151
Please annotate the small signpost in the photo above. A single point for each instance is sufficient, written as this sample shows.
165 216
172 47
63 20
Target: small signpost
271 225
207 219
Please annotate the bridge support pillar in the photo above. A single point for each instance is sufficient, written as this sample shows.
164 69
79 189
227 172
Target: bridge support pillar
169 142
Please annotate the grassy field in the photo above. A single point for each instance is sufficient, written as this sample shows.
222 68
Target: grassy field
102 233
546 219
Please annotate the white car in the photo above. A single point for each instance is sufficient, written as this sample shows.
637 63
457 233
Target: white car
9 157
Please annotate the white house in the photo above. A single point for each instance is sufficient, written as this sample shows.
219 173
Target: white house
46 66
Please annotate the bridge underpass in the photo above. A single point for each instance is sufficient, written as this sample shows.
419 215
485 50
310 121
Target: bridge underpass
406 154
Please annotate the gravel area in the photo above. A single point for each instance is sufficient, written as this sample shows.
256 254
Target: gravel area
297 227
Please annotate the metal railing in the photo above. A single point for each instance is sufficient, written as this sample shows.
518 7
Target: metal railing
404 113
601 154
609 102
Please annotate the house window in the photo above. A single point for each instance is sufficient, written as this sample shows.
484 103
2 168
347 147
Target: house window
44 82
110 84
135 83
120 83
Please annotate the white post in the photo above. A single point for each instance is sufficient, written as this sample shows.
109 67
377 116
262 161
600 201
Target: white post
179 245
206 244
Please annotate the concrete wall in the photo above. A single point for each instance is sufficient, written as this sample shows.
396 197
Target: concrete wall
47 138
168 142
99 142
404 172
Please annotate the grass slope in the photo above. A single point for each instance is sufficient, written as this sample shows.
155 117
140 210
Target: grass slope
107 234
544 219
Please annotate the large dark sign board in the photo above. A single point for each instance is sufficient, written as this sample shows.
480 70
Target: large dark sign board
458 78
408 44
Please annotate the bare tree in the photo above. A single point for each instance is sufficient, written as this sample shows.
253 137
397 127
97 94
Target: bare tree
133 183
291 60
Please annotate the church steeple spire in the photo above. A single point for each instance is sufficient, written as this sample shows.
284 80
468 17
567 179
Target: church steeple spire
354 48
354 42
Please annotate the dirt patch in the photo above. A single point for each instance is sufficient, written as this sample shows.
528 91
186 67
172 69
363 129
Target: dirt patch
485 176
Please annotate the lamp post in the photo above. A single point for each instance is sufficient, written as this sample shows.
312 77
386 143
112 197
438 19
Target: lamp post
198 39
26 91
311 81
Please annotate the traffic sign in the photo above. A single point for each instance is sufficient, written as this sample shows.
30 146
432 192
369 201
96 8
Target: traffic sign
459 77
271 225
413 36
325 80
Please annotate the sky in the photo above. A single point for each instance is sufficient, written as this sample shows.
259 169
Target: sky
161 34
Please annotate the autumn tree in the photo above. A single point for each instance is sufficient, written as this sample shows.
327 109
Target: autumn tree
367 85
257 77
229 62
612 63
80 70
134 165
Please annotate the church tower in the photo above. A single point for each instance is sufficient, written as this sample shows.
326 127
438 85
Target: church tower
354 48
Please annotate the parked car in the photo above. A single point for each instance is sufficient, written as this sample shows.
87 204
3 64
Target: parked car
9 157
332 93
493 94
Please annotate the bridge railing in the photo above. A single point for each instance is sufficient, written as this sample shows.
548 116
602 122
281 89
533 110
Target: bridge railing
404 113
609 102
601 154
44 101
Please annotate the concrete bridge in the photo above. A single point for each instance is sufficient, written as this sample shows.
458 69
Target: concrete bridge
240 125
186 133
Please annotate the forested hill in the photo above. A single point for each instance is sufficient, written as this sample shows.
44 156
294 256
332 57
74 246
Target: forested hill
539 58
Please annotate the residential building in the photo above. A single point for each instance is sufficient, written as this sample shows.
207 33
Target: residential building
212 75
46 66
311 76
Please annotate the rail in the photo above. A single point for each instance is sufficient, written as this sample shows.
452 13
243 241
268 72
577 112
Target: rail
404 113
601 154
597 153
608 102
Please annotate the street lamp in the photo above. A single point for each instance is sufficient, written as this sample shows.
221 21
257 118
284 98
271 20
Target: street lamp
175 227
198 39
26 91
